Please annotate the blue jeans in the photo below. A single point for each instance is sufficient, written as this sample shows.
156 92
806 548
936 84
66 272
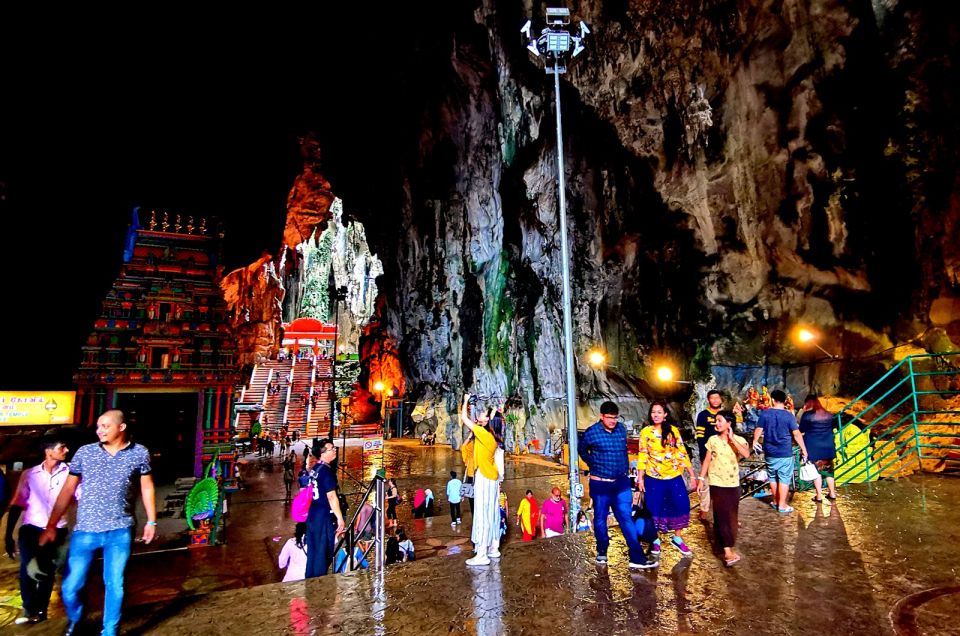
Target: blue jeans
116 550
616 495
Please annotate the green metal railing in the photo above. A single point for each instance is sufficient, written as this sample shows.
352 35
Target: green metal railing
902 420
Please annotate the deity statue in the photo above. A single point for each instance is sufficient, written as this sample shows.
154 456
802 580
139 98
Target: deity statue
753 398
765 401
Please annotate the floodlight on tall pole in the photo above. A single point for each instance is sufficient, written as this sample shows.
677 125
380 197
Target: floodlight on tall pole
557 44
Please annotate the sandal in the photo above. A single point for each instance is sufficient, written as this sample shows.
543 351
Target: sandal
817 500
731 562
831 498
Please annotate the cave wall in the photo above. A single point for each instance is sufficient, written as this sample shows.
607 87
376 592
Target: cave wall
732 168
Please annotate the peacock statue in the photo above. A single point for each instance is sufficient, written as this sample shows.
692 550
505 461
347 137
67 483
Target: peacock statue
204 498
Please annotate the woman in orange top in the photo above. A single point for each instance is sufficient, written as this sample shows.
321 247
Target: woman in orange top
485 533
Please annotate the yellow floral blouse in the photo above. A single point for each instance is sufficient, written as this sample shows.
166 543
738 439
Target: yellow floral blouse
658 460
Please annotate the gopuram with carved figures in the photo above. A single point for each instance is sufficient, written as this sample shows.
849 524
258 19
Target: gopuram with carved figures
162 349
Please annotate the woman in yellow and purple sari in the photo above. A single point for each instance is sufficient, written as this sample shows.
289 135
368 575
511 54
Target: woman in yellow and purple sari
661 462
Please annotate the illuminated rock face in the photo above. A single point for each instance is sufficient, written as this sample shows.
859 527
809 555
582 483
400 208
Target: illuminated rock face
730 172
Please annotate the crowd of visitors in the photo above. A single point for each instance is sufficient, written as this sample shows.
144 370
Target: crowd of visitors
648 500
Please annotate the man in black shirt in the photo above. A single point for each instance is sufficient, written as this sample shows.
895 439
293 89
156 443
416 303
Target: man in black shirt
325 520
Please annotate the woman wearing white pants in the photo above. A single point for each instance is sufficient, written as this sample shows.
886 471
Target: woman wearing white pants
486 487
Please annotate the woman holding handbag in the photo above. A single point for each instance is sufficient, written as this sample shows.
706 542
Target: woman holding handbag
817 425
721 468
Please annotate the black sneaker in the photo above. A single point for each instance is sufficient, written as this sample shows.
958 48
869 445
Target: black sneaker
601 559
644 566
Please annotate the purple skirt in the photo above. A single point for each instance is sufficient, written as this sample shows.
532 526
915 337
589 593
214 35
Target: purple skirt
668 502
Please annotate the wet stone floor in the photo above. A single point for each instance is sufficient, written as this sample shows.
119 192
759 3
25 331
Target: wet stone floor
883 560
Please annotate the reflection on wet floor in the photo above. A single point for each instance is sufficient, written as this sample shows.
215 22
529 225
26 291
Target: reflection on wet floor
826 569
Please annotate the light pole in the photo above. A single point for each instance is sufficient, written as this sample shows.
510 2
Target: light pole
556 42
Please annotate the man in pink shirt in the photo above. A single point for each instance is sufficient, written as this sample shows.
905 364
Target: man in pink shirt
553 515
36 495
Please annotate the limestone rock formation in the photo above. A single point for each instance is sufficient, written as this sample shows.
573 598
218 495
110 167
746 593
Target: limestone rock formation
255 295
733 167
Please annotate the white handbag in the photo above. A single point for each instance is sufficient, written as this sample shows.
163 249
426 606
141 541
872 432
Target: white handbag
808 471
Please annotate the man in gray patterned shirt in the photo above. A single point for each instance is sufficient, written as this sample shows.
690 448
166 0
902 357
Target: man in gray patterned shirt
110 473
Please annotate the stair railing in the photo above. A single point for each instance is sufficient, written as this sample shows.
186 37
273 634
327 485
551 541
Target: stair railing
374 527
895 439
286 403
266 389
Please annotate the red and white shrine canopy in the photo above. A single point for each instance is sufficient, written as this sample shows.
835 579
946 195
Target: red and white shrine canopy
308 332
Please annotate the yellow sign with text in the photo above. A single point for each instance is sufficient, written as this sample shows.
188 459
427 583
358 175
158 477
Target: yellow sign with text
19 408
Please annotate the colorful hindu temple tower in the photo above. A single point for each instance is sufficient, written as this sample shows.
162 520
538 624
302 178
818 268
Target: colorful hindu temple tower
162 349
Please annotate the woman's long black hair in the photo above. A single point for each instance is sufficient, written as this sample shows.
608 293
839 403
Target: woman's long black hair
667 436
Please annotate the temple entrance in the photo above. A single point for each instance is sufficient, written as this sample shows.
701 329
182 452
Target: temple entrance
166 423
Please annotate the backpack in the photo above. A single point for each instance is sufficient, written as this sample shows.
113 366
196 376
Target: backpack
304 478
300 507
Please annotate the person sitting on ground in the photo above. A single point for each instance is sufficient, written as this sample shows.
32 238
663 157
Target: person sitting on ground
392 552
342 564
406 546
293 556
583 522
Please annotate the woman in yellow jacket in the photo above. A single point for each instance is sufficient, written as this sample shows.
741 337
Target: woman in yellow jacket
661 463
485 533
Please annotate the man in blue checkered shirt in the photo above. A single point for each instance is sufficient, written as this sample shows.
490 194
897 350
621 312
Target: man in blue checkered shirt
603 447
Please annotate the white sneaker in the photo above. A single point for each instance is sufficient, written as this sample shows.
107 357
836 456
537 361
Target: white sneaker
495 554
458 522
453 524
480 559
